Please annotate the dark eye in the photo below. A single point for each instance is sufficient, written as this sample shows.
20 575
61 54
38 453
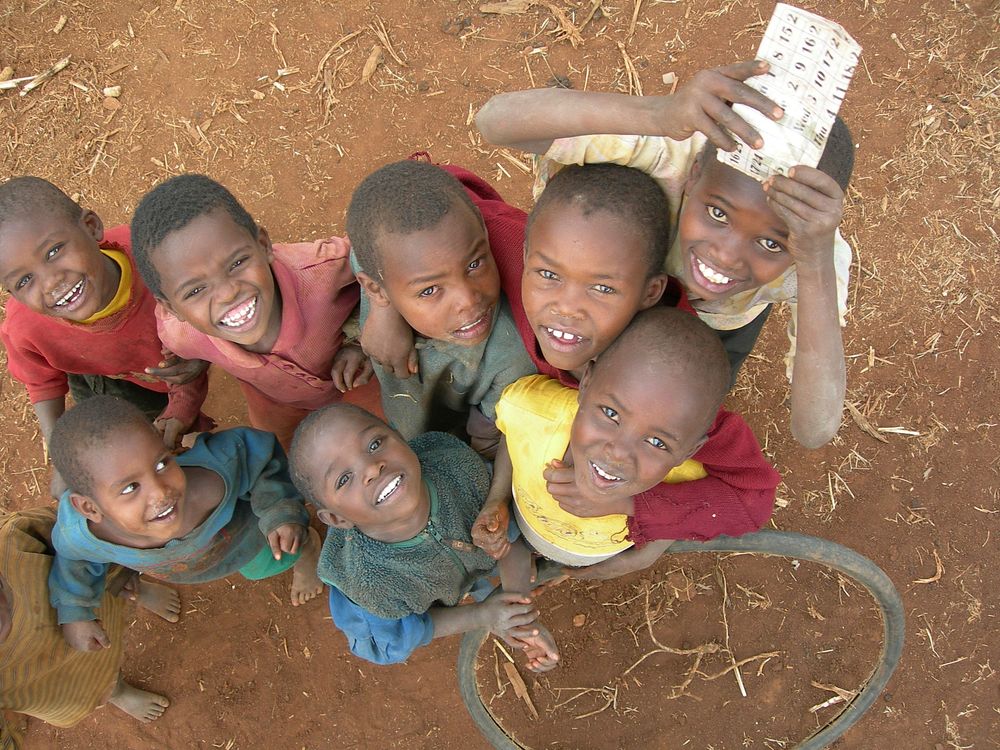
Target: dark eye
53 252
548 275
610 413
603 289
22 282
193 292
238 262
129 488
428 292
475 264
656 443
717 214
161 465
343 479
374 445
770 245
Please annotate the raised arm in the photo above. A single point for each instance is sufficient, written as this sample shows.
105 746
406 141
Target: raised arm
531 120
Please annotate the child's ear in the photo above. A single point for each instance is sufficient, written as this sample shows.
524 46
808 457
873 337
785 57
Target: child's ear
93 224
585 380
655 286
332 519
165 304
376 294
86 507
264 241
695 173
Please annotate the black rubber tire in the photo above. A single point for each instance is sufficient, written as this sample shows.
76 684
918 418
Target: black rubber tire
780 543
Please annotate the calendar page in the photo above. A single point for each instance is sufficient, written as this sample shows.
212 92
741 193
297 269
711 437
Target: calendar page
811 62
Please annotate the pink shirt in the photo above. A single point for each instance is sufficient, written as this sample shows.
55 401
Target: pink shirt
318 293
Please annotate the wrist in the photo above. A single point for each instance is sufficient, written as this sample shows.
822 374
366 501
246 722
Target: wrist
814 263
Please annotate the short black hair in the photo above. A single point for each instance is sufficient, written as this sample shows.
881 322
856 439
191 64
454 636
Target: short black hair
400 198
629 194
33 196
680 348
837 159
171 206
302 441
84 428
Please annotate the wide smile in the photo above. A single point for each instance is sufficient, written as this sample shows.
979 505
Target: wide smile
389 490
476 328
167 514
562 340
603 478
711 278
70 299
241 317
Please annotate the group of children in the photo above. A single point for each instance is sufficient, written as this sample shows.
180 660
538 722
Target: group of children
552 384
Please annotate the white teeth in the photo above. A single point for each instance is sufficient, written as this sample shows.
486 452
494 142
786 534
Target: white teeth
712 275
569 338
473 324
389 489
604 475
165 513
76 289
238 316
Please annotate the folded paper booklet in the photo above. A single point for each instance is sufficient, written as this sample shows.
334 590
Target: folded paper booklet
811 62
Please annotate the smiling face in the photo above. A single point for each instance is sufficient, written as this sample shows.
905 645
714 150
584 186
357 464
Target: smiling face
55 267
585 277
634 425
364 475
217 277
442 280
137 490
731 240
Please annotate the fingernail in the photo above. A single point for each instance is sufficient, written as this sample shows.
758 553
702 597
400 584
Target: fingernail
758 143
778 113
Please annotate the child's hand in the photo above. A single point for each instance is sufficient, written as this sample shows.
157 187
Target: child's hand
540 649
351 368
287 538
172 429
388 339
176 371
560 481
503 612
86 635
489 532
811 204
704 104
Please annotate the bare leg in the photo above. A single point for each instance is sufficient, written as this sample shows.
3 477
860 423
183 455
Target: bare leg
159 599
139 704
305 583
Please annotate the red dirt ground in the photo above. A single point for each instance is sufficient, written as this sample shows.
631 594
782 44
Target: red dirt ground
245 670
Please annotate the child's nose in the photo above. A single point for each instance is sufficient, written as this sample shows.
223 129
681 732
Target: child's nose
373 471
567 303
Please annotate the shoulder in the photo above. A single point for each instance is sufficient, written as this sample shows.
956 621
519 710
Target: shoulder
539 395
118 238
447 461
299 256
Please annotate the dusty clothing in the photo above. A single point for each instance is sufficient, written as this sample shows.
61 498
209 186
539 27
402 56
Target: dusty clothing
318 294
40 674
42 350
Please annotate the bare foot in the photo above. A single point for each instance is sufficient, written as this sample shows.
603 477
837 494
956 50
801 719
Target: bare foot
139 704
159 599
305 583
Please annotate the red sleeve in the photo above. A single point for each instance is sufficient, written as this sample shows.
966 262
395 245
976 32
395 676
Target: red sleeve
735 498
184 402
26 364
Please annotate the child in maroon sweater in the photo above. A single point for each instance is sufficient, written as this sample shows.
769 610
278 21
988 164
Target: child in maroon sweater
577 297
79 317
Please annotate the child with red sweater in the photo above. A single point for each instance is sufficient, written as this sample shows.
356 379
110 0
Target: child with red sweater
79 319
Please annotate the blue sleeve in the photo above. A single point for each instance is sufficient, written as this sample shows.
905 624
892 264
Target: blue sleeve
259 471
76 586
377 639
